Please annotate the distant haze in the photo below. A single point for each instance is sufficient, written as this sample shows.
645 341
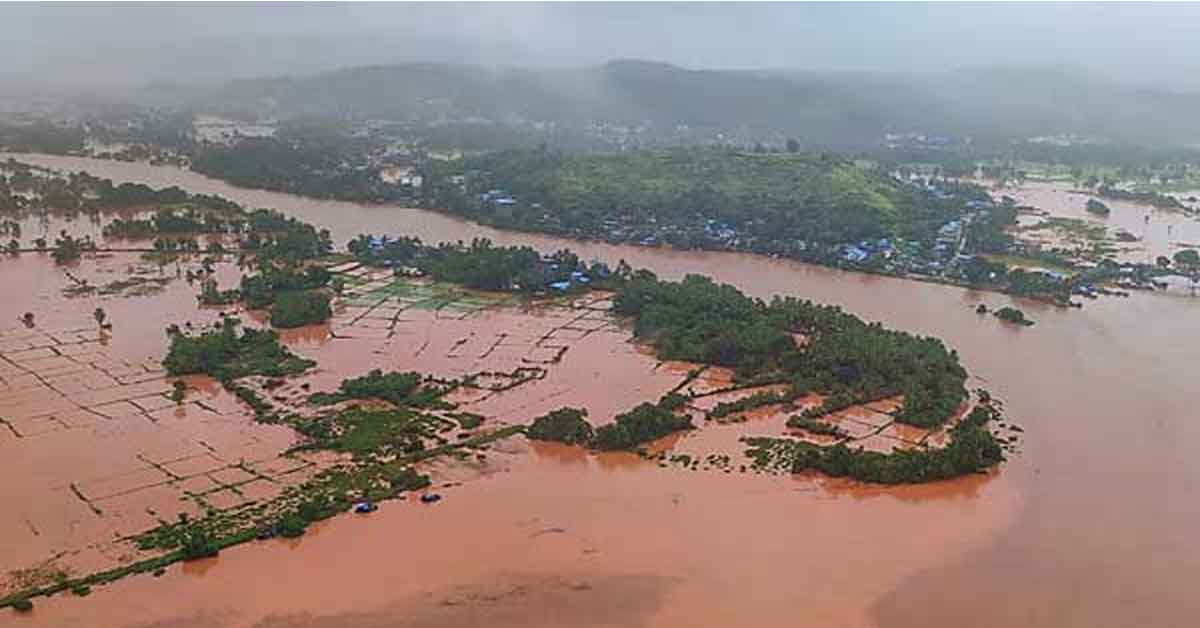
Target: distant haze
93 45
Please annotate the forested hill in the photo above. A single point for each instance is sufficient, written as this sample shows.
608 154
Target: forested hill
815 197
831 110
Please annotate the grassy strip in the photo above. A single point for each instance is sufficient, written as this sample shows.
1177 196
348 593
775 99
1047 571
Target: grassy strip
112 575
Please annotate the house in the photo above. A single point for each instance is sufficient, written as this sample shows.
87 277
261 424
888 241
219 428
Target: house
855 254
401 175
497 198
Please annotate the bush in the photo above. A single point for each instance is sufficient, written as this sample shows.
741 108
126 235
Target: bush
468 420
198 544
292 526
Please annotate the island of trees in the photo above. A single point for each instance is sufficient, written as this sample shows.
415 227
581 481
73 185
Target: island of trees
1094 206
1013 315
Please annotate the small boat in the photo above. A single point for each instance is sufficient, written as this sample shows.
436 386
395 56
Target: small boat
363 508
429 498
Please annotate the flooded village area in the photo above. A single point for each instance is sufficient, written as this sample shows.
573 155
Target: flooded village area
103 450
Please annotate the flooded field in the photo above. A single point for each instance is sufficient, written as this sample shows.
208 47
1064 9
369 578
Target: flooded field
145 459
1158 231
1088 526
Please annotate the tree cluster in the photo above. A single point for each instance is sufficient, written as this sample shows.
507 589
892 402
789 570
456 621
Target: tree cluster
225 354
972 449
816 348
644 423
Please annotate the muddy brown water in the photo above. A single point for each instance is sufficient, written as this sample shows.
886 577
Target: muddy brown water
1159 231
1091 525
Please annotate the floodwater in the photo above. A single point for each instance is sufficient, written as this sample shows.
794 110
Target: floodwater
1159 231
94 448
1090 525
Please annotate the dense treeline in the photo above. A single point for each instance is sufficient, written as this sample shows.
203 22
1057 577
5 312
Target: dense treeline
816 348
170 221
42 137
261 290
273 238
82 191
646 422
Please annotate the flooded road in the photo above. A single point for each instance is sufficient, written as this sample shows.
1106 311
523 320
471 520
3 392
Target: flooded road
1089 526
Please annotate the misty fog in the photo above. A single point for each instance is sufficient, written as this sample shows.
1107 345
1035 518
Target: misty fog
96 45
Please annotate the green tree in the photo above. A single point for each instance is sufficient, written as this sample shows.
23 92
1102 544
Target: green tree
1188 258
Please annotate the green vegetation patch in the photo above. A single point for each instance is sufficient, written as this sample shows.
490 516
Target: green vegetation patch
841 356
299 308
816 197
407 388
565 425
225 354
1013 315
972 449
644 423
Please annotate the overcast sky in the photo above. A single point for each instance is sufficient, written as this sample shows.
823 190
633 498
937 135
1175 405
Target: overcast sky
86 44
